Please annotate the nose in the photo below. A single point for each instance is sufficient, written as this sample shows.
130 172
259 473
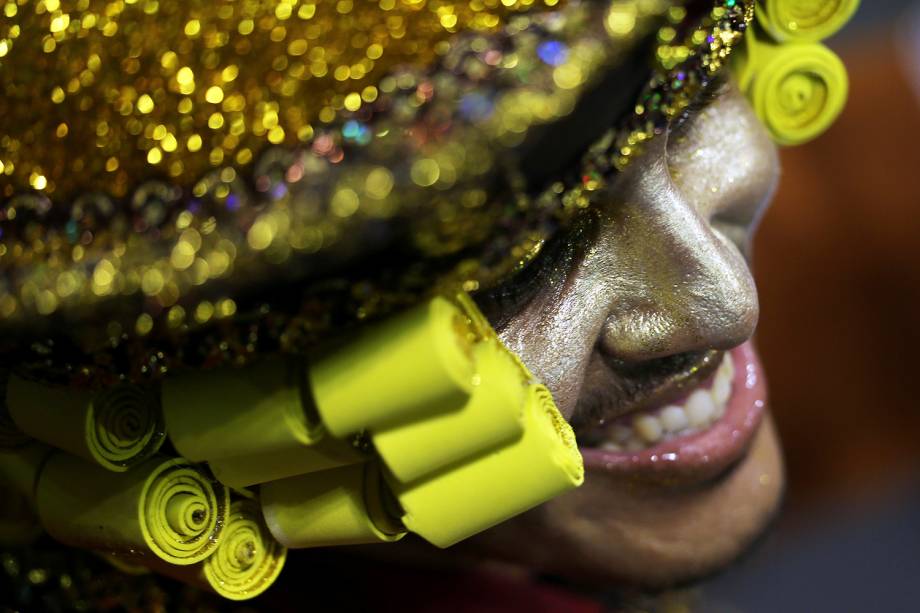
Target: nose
676 284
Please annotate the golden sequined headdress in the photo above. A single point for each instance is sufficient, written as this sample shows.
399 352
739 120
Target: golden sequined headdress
196 182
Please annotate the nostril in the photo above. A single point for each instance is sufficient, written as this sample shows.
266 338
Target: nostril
644 384
640 335
686 363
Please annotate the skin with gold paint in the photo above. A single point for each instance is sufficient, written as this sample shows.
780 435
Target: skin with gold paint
661 283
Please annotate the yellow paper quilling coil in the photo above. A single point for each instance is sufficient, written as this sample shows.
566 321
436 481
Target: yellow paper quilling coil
116 428
493 416
11 436
248 559
165 507
804 20
245 563
481 327
240 412
797 90
408 366
342 506
471 497
21 467
19 471
326 453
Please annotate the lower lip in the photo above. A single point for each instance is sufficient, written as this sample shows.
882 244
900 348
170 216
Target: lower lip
703 455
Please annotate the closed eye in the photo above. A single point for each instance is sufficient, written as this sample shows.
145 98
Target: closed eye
713 91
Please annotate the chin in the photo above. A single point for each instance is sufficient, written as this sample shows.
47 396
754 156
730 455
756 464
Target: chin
664 514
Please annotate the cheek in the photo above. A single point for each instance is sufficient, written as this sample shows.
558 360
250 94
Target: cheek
554 336
611 532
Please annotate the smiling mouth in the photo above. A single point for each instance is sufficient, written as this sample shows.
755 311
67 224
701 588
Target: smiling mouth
692 438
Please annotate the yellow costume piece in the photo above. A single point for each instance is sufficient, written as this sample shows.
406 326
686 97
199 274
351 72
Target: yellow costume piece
243 471
342 506
245 563
493 416
248 559
407 367
796 86
481 327
797 90
115 428
471 497
165 507
11 436
21 467
230 413
19 470
804 20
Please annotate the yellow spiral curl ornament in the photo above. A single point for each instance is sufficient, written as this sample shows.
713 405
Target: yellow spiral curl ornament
248 559
804 20
797 90
116 428
165 508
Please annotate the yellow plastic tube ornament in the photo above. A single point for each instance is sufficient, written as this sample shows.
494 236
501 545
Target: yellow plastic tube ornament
470 497
245 563
230 413
342 506
493 416
116 428
165 507
804 20
482 329
797 90
19 471
248 559
406 367
252 424
11 436
243 471
21 467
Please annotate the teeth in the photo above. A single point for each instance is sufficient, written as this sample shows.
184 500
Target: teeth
620 433
635 445
648 427
701 410
721 389
674 419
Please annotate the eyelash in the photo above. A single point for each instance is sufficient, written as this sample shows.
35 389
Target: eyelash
713 91
509 296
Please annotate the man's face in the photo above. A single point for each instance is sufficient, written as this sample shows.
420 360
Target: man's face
638 325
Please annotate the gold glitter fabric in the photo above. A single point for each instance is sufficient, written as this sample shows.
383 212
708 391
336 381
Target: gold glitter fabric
192 183
97 93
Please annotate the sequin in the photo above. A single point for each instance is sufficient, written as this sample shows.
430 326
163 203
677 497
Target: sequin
211 148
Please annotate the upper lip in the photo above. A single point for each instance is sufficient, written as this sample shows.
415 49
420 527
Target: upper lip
630 388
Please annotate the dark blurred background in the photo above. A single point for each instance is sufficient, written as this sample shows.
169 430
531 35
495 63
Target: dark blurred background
837 261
